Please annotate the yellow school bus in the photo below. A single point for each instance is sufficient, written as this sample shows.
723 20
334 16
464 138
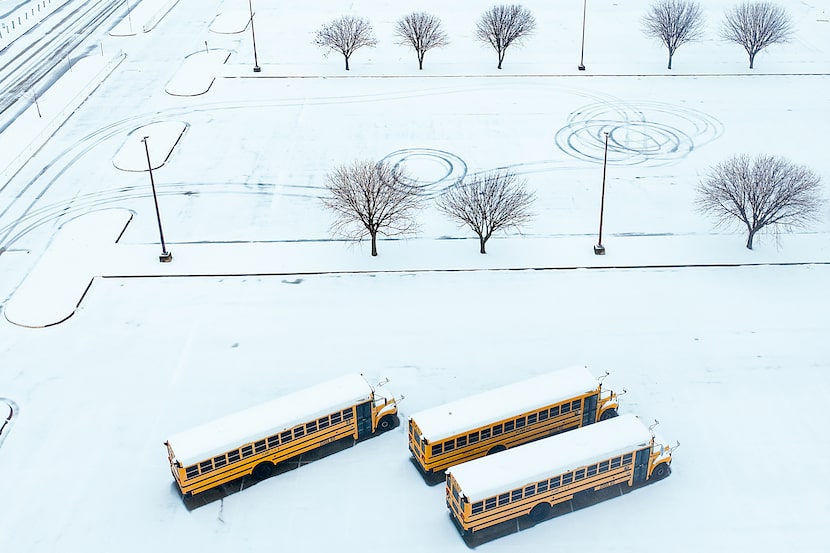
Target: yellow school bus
529 480
253 441
505 417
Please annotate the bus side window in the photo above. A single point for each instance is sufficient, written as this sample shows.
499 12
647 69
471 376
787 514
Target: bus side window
436 449
542 486
576 405
473 438
205 466
336 417
273 441
462 441
485 434
554 482
567 478
520 422
299 432
497 430
192 471
554 411
323 423
603 466
490 503
531 419
508 426
566 408
592 470
348 414
478 507
247 451
515 495
285 436
233 456
504 499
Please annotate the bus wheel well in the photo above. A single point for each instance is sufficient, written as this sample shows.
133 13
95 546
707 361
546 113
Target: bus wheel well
540 511
660 471
386 423
609 414
496 449
263 470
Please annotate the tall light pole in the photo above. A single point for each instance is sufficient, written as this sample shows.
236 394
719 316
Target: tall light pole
165 256
582 51
599 249
129 17
257 68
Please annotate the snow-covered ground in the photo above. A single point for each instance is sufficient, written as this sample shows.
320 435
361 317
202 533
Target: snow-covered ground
732 359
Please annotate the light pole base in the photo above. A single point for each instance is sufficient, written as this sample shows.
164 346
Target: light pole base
166 257
599 249
581 67
257 69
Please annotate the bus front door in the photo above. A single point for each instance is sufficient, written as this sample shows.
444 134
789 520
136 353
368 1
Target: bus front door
589 410
641 466
364 420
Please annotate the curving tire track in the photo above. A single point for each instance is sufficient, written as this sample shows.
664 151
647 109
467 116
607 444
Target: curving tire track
450 169
651 133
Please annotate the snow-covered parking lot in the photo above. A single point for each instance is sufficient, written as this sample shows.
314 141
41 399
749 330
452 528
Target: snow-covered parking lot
726 347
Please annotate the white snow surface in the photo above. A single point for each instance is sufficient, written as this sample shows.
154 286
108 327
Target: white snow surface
727 347
255 423
455 417
514 468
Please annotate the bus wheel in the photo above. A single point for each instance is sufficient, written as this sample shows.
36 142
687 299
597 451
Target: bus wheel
610 414
386 423
540 512
660 471
263 470
496 449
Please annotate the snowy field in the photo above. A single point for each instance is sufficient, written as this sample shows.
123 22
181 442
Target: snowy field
732 359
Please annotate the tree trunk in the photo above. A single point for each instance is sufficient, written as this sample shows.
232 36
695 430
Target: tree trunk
347 62
751 65
670 56
420 61
501 57
374 244
749 239
482 241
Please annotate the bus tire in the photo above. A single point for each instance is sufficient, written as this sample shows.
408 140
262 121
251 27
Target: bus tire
609 414
386 423
496 449
660 471
540 512
263 470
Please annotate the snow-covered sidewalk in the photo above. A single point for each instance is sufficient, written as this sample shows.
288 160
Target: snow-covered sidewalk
88 247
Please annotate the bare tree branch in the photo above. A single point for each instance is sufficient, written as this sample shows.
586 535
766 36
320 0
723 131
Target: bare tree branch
487 203
502 25
369 197
760 192
346 35
756 25
674 23
423 32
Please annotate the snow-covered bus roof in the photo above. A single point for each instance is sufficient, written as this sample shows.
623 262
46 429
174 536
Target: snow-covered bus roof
514 468
267 419
438 423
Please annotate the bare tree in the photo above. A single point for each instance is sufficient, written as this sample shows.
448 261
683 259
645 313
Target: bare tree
764 191
502 25
487 203
346 35
369 197
756 25
674 23
423 32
